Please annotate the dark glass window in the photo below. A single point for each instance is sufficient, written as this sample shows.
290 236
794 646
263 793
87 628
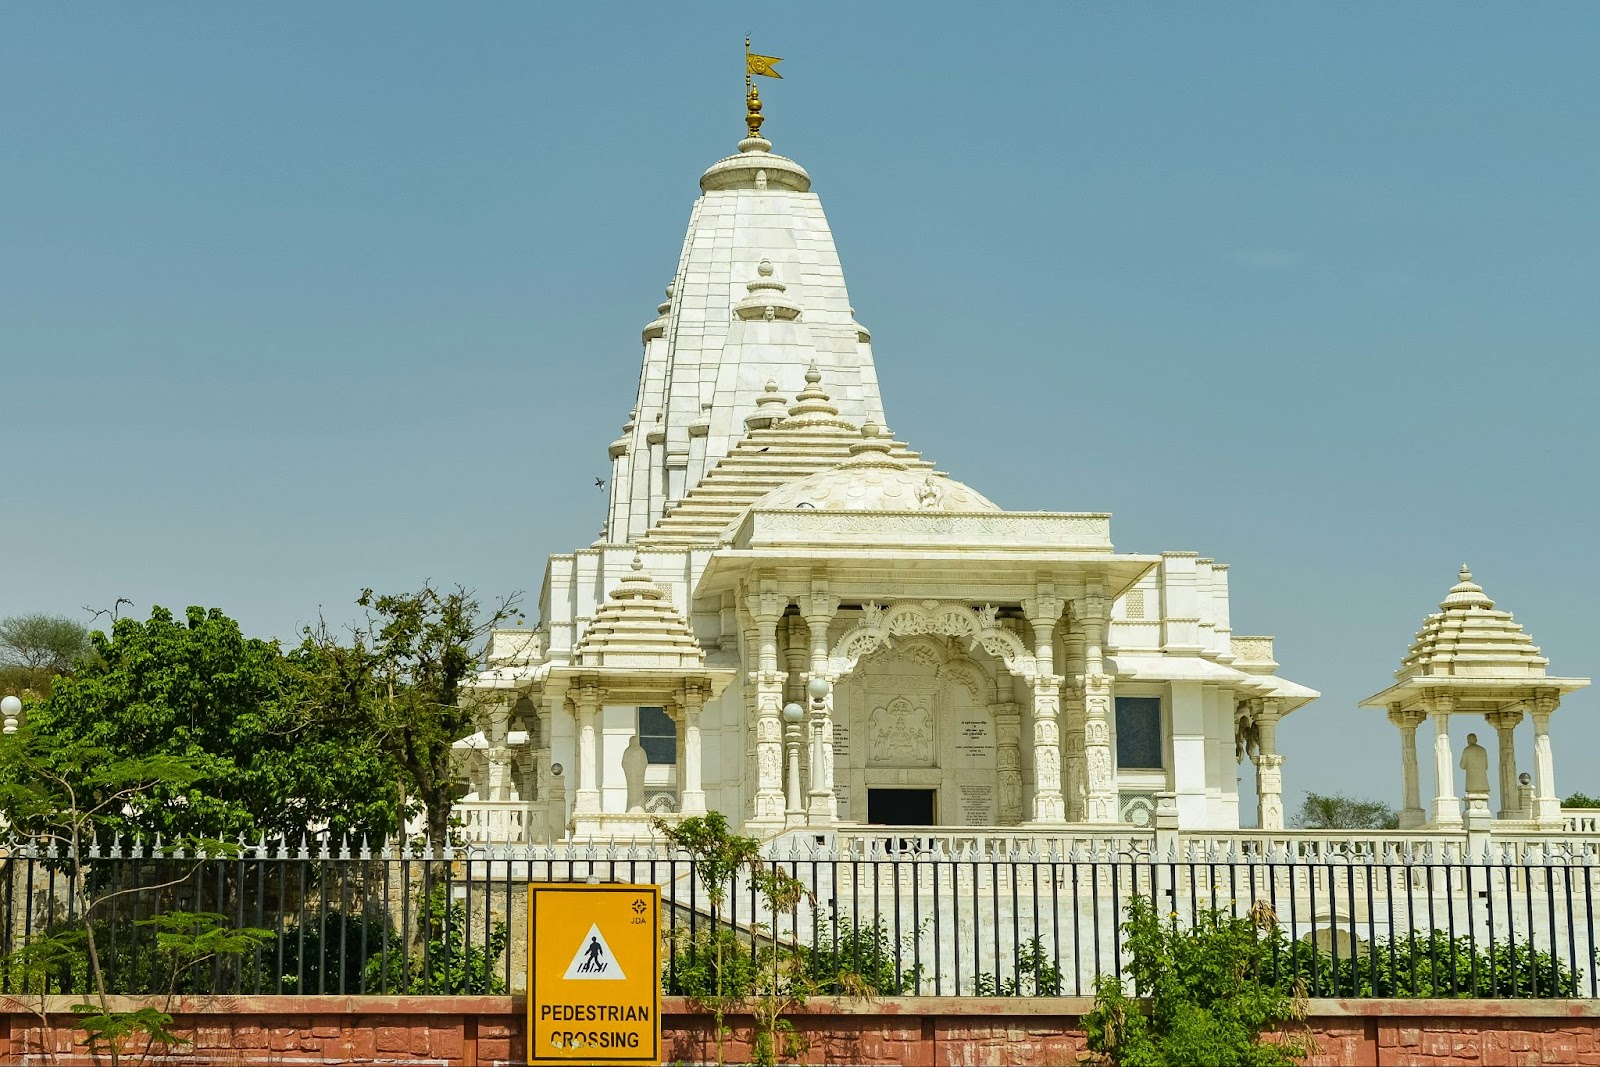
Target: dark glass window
658 736
1139 733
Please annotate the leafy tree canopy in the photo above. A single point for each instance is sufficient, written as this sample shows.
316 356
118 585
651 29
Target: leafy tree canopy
234 710
42 642
397 681
1581 800
1338 812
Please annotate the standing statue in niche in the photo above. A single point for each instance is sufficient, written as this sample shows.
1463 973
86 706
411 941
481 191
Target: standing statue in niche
634 762
1475 761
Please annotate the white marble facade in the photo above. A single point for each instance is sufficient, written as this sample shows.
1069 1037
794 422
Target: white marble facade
768 542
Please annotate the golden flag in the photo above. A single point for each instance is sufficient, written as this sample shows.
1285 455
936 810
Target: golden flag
766 66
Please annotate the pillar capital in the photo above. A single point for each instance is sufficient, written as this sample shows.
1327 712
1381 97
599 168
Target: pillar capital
1504 719
1546 702
1439 703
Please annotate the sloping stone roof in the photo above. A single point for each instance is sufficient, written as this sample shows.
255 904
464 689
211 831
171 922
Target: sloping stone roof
1469 638
637 627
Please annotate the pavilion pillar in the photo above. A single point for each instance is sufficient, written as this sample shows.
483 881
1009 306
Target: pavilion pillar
692 798
1100 778
1008 752
1072 785
1411 813
1505 724
1043 612
1546 805
822 804
586 705
1446 806
766 608
1269 767
498 785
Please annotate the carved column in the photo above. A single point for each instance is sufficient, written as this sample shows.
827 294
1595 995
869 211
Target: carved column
1411 813
1546 805
822 804
1269 766
1098 763
692 798
766 608
498 786
1008 752
1269 791
586 705
1074 785
1505 725
1446 808
1043 612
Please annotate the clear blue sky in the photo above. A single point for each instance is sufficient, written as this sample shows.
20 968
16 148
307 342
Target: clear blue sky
296 298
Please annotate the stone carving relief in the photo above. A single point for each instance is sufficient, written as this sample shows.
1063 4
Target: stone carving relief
980 627
1099 769
900 734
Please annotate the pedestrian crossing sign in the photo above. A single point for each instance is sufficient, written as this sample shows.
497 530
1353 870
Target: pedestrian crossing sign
594 974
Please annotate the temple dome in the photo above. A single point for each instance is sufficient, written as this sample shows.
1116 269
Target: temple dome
873 480
847 488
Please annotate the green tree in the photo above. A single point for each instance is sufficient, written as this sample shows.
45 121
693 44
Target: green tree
398 681
66 793
234 711
1337 812
35 648
1581 800
1201 994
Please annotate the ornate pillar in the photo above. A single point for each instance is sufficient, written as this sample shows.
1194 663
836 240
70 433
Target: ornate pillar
586 705
1073 785
1098 765
1411 813
1269 766
766 608
822 804
692 797
1008 752
1446 808
498 786
1043 611
1505 724
1546 805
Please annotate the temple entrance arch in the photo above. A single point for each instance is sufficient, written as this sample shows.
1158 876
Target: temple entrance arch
916 717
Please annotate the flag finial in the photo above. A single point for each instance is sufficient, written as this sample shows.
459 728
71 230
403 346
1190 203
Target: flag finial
766 67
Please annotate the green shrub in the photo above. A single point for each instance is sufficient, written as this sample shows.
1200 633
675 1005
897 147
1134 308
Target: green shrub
1431 964
1034 974
862 960
1201 995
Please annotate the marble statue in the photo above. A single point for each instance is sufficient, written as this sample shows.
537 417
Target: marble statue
634 761
1475 761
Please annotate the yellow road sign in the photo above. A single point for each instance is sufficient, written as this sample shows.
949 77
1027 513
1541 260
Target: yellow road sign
594 974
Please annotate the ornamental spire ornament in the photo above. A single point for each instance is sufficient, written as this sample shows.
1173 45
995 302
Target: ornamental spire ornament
766 67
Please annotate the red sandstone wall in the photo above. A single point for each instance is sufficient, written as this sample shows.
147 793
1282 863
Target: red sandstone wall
910 1032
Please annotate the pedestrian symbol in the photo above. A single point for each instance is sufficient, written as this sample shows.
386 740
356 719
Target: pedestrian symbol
594 959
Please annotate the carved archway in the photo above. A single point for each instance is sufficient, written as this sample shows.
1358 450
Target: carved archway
980 627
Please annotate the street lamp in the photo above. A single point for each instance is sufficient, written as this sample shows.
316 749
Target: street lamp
792 714
10 707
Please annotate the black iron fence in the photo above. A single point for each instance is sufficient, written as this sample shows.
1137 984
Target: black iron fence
267 920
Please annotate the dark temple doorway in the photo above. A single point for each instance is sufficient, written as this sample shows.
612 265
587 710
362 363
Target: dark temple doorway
900 807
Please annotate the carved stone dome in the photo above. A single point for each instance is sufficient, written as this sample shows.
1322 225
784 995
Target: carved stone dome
852 488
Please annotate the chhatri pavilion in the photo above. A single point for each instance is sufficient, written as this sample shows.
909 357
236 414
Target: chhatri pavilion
794 618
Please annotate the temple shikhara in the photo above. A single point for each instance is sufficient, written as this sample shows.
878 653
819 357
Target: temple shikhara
795 618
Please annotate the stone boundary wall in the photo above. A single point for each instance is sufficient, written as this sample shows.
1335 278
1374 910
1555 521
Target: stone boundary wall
907 1031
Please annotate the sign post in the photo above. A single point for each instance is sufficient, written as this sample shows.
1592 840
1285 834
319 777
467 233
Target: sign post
594 974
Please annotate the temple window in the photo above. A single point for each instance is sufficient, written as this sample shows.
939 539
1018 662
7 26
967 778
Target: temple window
658 736
1139 733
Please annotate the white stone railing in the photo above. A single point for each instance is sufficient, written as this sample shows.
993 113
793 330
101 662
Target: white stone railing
493 822
1580 820
1085 841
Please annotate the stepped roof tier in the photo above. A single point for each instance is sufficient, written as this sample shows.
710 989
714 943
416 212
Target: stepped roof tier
1476 652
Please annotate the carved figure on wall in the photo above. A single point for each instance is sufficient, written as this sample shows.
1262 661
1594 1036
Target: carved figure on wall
929 494
900 733
1010 794
767 763
1049 769
1475 761
1099 768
